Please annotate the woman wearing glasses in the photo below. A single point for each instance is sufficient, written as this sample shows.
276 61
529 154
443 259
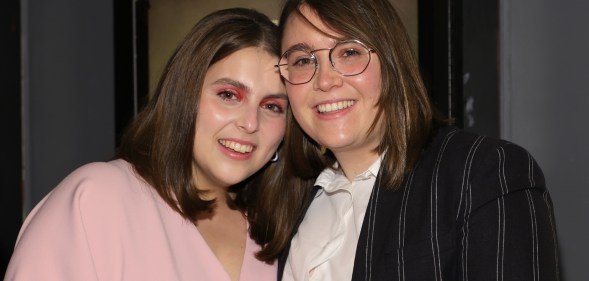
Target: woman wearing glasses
191 167
394 193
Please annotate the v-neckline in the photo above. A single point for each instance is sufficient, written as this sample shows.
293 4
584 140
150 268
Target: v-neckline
211 253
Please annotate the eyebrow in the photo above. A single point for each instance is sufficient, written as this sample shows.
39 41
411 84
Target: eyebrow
306 47
233 83
277 96
299 46
244 87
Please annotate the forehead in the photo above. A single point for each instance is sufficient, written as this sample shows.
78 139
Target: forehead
307 28
252 67
240 59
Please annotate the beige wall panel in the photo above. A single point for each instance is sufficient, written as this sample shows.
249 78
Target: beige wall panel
170 20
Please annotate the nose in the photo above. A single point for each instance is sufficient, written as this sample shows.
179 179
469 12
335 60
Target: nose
326 77
248 121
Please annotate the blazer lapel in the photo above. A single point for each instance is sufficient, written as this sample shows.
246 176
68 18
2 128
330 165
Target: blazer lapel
377 228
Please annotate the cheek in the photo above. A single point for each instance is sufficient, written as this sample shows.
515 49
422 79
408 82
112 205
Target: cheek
375 90
296 97
212 110
371 84
210 116
275 130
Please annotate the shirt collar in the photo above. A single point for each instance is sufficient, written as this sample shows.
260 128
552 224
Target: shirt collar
332 179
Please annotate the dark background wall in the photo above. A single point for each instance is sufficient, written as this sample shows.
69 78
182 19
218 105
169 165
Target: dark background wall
545 107
519 70
57 77
68 90
57 99
10 136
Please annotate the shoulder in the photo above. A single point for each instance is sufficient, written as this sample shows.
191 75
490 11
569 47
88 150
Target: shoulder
94 196
117 170
95 189
457 143
461 141
481 159
100 179
82 224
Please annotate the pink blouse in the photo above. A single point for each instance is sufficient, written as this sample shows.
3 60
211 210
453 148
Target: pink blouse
103 222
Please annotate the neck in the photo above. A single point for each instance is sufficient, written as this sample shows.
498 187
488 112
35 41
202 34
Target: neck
354 164
221 208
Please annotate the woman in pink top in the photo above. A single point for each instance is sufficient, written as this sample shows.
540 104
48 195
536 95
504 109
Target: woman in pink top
194 162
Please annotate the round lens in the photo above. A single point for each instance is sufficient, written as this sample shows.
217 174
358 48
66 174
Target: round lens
297 66
350 58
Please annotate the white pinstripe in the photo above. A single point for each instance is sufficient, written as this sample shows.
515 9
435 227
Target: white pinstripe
371 219
501 211
550 212
467 204
465 174
466 229
402 220
535 258
531 170
433 211
535 262
499 276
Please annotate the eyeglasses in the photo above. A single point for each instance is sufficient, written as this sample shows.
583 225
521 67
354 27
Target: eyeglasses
348 58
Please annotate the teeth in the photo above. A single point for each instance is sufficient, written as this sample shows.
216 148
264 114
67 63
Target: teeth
324 108
235 146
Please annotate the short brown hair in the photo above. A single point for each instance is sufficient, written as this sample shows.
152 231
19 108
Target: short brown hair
403 107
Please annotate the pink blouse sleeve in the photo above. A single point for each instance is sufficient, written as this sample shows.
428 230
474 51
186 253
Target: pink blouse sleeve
63 236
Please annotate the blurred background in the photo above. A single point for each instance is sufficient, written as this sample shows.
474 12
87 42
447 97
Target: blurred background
73 73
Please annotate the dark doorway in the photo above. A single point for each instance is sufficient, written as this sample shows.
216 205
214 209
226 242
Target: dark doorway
10 142
131 61
458 54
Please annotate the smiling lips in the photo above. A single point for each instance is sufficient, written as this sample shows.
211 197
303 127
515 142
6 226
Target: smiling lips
237 147
329 107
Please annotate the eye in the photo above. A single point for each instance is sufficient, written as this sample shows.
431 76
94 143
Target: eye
227 95
300 59
303 61
275 105
350 53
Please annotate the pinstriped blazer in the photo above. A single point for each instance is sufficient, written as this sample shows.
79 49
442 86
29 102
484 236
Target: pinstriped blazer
473 208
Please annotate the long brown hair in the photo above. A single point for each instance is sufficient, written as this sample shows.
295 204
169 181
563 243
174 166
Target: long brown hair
403 107
159 142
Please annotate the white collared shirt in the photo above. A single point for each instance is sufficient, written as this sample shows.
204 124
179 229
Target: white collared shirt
325 244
